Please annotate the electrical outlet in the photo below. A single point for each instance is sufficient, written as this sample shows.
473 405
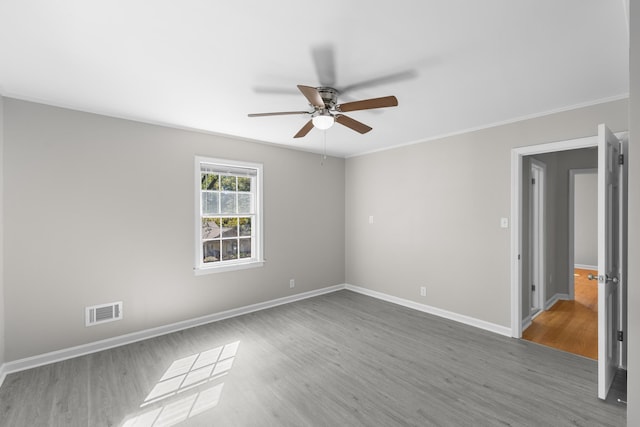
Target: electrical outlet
423 291
292 283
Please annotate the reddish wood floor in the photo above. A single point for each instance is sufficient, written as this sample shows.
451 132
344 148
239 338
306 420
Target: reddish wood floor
570 325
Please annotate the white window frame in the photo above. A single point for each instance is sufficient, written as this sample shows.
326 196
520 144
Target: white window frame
257 257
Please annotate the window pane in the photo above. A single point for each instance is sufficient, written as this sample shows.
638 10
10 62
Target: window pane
228 203
210 203
228 183
210 228
210 181
229 227
245 248
244 183
245 203
211 251
229 249
245 226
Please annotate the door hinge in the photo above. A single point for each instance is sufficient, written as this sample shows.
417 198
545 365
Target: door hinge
620 336
533 181
621 159
533 287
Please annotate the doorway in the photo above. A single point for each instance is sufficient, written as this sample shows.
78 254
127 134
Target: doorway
557 266
570 321
559 316
556 246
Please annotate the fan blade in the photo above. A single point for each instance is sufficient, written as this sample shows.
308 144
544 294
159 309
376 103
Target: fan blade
367 104
352 124
312 94
324 61
390 78
275 90
305 129
280 113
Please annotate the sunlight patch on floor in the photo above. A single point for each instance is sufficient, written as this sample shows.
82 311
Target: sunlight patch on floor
183 375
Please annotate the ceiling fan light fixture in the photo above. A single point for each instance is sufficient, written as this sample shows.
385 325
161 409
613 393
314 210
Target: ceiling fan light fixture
323 121
326 110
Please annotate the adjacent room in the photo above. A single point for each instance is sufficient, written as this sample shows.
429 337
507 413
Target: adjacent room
250 214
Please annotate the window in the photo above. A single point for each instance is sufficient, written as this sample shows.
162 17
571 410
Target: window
229 220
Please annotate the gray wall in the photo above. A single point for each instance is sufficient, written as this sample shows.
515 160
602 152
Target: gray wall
437 206
99 209
633 397
586 219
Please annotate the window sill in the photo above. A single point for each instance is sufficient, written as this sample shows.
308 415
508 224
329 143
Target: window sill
225 268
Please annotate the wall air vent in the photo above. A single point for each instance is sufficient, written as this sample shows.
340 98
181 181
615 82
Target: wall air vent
103 313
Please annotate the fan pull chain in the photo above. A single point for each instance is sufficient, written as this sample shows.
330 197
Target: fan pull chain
324 149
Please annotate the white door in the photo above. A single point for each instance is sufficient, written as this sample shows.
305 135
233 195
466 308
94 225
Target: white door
609 256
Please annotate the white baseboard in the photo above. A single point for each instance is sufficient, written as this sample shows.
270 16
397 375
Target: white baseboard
526 322
3 373
586 267
554 299
81 350
487 326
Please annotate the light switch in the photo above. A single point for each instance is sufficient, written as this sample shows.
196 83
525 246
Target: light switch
370 219
504 222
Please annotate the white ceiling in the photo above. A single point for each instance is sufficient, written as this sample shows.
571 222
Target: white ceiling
204 64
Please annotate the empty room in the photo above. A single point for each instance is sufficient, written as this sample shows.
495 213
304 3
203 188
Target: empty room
264 214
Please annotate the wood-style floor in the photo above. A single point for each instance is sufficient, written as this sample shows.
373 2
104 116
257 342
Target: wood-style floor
341 359
570 325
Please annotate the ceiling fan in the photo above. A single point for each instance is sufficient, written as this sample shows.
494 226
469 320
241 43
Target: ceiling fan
326 110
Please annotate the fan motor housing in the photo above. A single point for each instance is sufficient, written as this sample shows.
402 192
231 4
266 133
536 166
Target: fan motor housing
329 96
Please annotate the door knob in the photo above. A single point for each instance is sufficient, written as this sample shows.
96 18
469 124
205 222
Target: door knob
613 279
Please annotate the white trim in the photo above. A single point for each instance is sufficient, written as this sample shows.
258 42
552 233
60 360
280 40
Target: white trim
627 18
225 268
81 350
496 124
138 119
257 259
84 349
537 235
3 373
554 299
515 269
586 267
527 321
624 253
481 324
